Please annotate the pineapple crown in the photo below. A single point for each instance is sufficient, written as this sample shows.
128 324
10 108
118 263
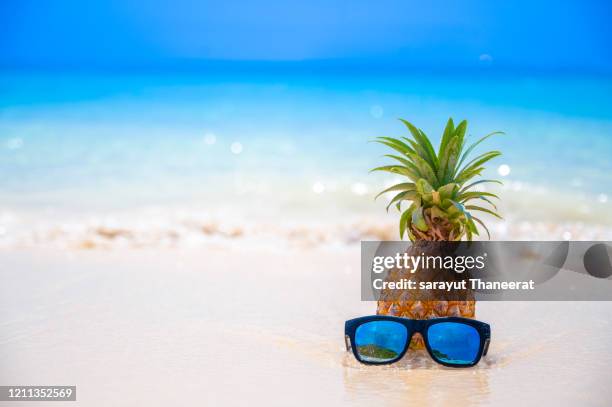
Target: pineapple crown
441 199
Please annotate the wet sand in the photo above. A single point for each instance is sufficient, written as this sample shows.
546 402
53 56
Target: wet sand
220 326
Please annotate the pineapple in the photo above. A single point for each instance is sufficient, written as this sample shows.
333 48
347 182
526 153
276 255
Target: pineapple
440 205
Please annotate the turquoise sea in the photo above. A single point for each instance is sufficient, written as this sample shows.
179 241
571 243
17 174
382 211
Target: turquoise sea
288 146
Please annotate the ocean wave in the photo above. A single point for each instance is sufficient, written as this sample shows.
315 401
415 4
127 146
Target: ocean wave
296 218
192 229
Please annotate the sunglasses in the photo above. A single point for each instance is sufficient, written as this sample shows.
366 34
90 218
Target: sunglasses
452 341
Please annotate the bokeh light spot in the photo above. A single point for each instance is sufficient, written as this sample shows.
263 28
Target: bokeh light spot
318 187
236 147
503 170
210 139
359 188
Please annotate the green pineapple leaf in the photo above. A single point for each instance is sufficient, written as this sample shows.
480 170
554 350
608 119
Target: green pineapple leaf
473 184
483 225
449 131
466 196
481 209
425 149
448 160
402 196
405 218
460 130
405 186
395 144
440 186
448 191
418 220
408 164
398 169
424 169
477 162
473 146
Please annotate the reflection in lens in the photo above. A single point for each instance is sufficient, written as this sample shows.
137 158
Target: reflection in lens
380 341
454 342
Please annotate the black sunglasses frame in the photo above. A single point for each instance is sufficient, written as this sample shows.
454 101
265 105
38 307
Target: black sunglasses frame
413 326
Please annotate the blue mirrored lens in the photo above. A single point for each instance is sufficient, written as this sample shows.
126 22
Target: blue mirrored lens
454 342
380 341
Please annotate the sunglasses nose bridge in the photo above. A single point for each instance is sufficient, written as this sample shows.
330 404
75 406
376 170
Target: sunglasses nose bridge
417 336
418 326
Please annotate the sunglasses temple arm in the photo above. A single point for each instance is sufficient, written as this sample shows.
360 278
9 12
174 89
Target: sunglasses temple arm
347 342
486 347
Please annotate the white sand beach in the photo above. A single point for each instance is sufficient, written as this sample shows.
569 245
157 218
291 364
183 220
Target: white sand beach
218 325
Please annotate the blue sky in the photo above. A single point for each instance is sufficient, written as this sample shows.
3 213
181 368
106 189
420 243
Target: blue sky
554 35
